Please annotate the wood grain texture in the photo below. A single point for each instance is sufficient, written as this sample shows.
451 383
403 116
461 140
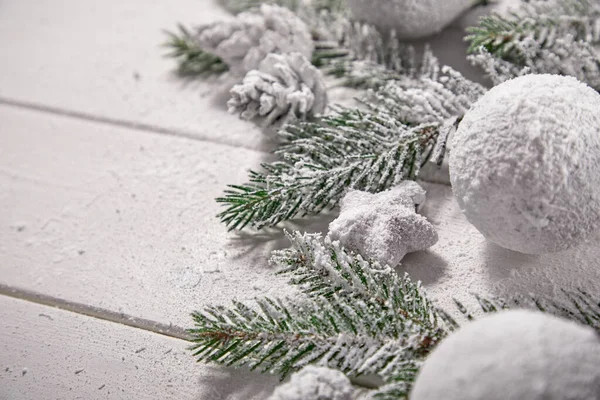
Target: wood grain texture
106 61
51 354
123 220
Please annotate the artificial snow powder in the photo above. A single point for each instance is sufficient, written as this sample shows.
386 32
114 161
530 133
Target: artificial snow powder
410 19
525 163
315 383
514 355
384 226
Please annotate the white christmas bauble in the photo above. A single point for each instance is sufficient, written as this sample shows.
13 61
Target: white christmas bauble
410 19
514 355
525 163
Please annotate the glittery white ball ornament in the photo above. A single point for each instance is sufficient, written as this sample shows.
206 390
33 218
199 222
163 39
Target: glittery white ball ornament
525 163
514 355
410 19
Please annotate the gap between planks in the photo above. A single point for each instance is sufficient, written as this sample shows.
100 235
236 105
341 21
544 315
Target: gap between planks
95 312
80 308
142 127
137 126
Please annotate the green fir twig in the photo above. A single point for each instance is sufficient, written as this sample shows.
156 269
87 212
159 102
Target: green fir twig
496 35
542 21
360 56
358 317
321 160
552 37
580 306
191 59
355 315
371 149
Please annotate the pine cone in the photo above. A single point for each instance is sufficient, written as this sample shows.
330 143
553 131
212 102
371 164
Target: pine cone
284 87
244 42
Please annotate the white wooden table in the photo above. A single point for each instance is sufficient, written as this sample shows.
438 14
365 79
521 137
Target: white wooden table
109 166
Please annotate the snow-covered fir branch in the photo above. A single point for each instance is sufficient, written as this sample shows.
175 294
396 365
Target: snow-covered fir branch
309 265
551 36
544 21
434 95
365 150
580 306
371 148
191 59
566 57
361 56
358 317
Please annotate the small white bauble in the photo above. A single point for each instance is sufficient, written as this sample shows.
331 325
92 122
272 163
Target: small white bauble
411 19
514 355
525 163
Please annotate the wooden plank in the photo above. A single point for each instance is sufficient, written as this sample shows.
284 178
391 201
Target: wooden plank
123 220
105 61
46 353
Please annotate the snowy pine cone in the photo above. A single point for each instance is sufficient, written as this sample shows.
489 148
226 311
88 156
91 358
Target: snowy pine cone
315 383
411 19
244 42
285 86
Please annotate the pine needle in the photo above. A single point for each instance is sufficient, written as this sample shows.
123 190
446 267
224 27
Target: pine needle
371 149
321 160
369 321
356 316
553 37
191 59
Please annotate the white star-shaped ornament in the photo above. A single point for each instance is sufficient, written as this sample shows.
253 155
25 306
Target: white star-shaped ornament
384 226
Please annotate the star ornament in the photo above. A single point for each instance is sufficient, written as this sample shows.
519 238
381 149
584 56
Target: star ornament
384 226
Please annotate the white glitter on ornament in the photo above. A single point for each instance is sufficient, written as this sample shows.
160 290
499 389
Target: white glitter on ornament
315 383
514 355
384 226
410 19
525 163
